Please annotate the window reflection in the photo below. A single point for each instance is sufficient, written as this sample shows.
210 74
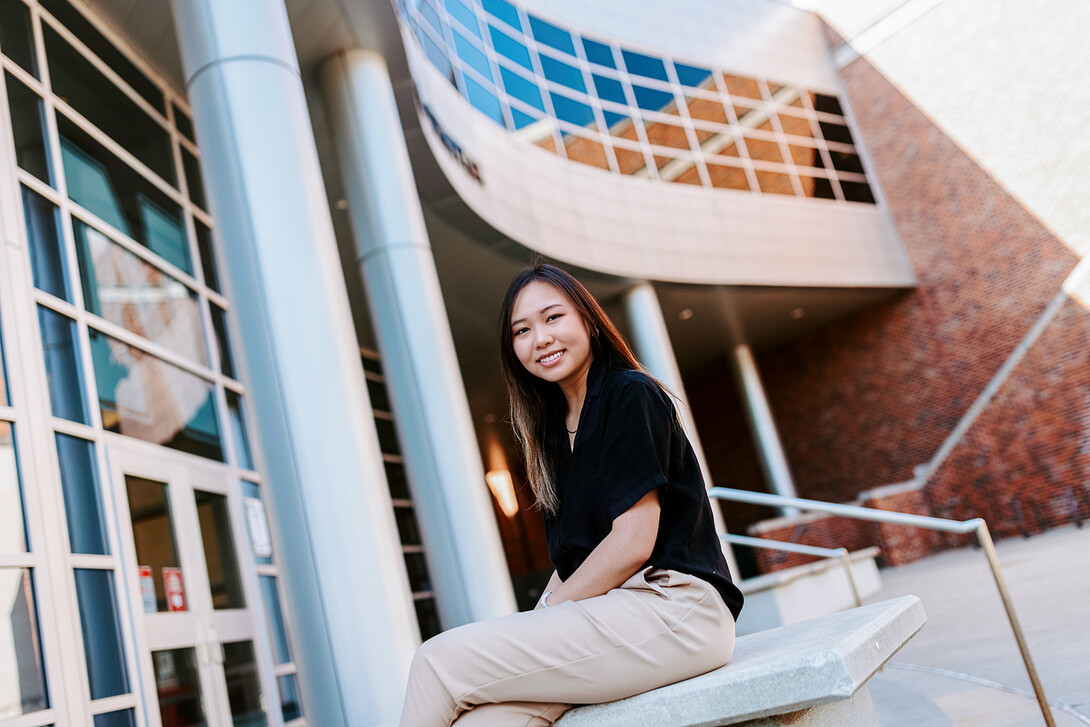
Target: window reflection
219 325
572 111
219 550
503 10
551 35
89 92
238 429
205 246
510 48
121 718
46 251
774 182
662 134
243 687
129 292
113 191
290 705
639 64
82 505
585 150
62 369
275 619
153 535
563 73
521 89
471 55
16 37
22 673
27 126
144 397
599 53
742 86
102 643
781 139
72 19
12 530
178 684
652 99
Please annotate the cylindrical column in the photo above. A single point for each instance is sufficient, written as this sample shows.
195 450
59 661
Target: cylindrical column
461 538
651 339
762 426
346 586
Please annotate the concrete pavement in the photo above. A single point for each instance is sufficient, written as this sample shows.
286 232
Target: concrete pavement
963 669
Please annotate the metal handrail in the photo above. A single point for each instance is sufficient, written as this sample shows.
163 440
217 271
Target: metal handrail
976 525
841 554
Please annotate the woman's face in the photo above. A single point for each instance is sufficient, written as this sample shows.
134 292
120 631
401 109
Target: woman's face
550 338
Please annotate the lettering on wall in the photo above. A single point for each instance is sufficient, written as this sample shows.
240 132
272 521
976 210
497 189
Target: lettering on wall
454 147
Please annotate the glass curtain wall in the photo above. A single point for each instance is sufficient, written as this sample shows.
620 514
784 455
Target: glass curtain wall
629 111
127 306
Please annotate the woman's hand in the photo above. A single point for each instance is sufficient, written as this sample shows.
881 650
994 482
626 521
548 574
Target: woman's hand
617 558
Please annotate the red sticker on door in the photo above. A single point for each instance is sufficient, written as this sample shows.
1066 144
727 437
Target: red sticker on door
172 583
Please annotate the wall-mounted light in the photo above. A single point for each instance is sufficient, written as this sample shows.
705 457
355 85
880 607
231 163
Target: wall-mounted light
499 479
685 314
503 489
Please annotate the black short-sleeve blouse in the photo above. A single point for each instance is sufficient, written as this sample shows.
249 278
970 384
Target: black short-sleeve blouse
630 442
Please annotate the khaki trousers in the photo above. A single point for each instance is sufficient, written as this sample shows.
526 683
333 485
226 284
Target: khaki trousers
527 669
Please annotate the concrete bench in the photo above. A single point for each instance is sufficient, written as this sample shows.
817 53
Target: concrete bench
808 674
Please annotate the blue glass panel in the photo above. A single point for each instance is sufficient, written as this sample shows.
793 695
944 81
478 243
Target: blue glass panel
144 397
652 99
551 35
691 75
609 89
436 55
238 428
62 366
432 17
510 48
559 72
640 65
484 100
571 110
82 507
28 127
101 633
290 705
520 119
114 191
503 10
613 119
121 718
522 89
472 56
46 255
275 619
599 53
463 15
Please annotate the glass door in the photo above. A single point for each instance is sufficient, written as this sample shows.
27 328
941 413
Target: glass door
195 614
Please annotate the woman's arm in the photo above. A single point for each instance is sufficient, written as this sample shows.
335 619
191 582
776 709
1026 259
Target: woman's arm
617 557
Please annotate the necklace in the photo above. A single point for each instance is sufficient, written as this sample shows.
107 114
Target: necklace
571 431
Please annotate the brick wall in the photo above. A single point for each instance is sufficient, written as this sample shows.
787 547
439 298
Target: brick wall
865 401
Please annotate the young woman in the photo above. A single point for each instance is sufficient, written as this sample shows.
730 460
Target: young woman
641 596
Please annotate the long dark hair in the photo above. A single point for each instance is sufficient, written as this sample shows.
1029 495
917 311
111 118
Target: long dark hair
535 401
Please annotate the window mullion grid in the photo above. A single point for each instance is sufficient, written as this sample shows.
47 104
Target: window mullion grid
102 67
686 120
781 138
45 718
494 65
539 73
130 245
736 129
118 151
23 75
596 106
452 52
634 111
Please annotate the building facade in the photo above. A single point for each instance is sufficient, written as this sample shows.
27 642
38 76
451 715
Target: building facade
253 433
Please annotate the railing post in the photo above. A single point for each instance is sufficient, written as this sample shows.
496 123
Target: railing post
985 539
846 559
